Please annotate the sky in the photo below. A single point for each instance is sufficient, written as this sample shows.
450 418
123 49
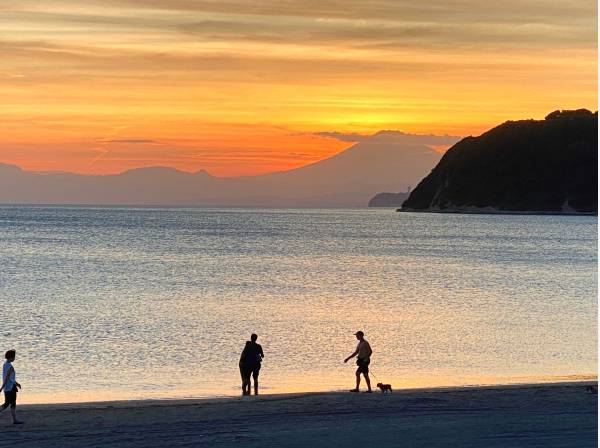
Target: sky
242 87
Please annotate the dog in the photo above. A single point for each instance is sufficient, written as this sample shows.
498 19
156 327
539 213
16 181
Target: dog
385 387
592 389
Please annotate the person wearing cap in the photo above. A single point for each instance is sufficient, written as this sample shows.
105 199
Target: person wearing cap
363 359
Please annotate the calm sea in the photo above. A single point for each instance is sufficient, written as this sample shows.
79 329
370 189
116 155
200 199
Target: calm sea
120 303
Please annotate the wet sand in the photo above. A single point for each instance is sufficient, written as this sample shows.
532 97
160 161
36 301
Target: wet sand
556 415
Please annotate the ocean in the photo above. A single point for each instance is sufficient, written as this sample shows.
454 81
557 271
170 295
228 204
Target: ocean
134 303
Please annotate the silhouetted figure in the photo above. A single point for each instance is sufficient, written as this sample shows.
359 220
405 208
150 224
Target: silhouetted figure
10 386
252 356
363 353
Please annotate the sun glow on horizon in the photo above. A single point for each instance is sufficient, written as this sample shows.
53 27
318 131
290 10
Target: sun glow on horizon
244 88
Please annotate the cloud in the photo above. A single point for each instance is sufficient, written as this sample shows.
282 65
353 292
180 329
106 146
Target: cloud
392 136
384 24
132 141
344 137
388 33
523 11
302 156
271 40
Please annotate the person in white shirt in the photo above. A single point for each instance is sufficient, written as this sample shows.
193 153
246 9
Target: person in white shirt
363 359
10 386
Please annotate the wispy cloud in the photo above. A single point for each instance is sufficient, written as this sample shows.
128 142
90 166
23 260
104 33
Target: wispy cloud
102 149
391 136
132 141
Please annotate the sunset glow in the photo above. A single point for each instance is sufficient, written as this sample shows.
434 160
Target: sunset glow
239 87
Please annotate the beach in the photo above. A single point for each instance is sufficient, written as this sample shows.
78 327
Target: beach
549 415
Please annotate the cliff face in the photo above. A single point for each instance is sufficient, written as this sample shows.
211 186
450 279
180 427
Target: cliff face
520 166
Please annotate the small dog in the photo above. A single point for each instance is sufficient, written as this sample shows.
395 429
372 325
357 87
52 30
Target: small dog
385 387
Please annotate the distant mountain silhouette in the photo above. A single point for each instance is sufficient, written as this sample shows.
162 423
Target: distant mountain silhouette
545 166
384 161
388 199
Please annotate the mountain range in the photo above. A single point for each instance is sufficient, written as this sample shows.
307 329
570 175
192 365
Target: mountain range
387 160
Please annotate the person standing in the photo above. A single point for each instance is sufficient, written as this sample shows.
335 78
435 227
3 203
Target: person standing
10 386
363 354
250 363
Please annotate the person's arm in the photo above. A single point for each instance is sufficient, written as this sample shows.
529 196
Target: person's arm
352 355
6 377
262 355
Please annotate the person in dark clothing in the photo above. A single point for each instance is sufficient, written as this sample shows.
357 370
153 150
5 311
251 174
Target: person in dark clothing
250 362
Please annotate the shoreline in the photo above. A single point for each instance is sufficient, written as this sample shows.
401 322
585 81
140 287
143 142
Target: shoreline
266 395
495 211
91 397
549 415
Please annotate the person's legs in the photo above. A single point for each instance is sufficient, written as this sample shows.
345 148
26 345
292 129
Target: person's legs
11 399
13 411
243 381
365 371
247 381
357 379
255 373
368 381
245 374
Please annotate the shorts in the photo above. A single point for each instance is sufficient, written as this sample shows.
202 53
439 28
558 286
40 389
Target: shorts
246 371
10 397
363 366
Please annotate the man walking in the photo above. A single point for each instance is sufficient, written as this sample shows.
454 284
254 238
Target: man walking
250 362
363 359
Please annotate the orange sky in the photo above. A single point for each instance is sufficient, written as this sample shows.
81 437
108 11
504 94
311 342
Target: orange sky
242 87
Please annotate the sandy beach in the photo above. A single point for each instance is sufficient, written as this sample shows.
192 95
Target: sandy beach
555 415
